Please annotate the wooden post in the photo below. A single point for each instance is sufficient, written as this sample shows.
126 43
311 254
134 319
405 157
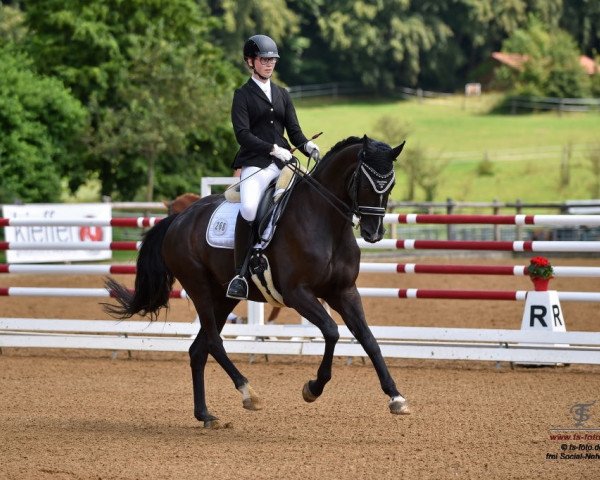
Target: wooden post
496 211
449 210
518 211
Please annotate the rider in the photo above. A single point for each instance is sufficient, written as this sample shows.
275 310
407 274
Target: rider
260 112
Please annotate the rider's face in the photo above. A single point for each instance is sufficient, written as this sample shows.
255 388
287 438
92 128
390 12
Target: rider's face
263 66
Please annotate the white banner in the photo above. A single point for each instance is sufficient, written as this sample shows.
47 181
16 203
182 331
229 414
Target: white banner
52 234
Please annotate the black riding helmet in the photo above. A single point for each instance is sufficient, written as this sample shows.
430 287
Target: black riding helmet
260 46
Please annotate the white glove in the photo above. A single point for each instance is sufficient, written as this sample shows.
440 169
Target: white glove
282 154
310 147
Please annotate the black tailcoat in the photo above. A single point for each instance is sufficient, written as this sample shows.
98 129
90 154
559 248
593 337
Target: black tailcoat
259 123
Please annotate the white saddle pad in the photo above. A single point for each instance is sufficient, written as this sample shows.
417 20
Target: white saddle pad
221 227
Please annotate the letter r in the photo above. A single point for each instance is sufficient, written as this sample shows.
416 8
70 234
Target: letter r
537 312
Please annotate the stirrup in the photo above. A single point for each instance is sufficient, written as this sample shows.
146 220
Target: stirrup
237 288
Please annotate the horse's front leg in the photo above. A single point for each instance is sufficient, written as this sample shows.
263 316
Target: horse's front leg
307 305
349 305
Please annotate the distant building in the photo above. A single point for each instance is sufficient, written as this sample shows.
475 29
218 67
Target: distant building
517 60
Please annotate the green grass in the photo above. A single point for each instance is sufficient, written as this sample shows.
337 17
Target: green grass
448 126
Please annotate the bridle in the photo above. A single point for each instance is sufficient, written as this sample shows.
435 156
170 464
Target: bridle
380 183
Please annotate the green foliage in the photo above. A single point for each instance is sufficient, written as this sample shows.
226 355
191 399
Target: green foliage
485 168
241 19
382 44
581 19
390 130
420 167
172 92
40 123
150 77
12 28
593 159
552 66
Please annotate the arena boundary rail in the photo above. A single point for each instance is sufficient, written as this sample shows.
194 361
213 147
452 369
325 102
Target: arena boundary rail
518 346
399 342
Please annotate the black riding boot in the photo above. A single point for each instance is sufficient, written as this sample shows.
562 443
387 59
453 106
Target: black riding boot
238 287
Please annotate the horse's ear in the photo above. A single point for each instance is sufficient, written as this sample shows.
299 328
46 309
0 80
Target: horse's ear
396 151
365 141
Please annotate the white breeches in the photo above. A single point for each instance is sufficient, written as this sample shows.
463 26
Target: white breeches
254 181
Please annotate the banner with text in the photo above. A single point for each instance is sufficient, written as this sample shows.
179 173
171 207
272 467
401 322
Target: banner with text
60 234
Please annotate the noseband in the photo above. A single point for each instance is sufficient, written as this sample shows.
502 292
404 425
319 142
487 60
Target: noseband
380 183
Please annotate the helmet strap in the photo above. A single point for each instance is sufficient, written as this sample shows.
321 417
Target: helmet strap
262 77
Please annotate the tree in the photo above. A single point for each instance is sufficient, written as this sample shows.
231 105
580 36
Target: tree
173 93
552 66
383 43
12 28
581 19
98 48
40 123
243 18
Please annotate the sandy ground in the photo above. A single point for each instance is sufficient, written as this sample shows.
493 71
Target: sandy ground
83 415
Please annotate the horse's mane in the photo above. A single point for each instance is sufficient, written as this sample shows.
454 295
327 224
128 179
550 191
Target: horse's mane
335 149
377 151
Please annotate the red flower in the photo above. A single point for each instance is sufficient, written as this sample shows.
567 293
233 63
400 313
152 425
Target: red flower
540 261
539 267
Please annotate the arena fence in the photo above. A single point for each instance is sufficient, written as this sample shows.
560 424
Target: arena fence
255 338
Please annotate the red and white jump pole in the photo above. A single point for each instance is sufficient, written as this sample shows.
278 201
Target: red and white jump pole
517 246
132 222
410 218
365 292
405 268
534 220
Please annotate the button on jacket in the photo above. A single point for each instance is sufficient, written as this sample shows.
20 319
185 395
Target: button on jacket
259 123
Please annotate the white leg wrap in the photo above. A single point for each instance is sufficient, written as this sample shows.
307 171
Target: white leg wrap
245 391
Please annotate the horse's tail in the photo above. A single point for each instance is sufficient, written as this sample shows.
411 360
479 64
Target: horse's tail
153 280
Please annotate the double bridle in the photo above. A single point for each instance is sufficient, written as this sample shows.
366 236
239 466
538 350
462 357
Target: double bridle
380 183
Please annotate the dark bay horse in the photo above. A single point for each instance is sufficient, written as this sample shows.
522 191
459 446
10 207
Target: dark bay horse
313 255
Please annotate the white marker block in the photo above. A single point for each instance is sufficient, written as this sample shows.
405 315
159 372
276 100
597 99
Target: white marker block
542 311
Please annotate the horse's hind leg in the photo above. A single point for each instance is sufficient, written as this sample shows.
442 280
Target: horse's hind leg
349 305
213 315
198 356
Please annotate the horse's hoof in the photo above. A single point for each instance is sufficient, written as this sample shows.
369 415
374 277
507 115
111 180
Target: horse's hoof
250 400
307 395
216 424
212 424
210 421
399 406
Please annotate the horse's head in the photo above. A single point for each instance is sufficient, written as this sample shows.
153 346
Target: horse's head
371 184
181 203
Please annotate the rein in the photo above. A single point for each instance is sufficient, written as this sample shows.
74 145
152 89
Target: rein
329 197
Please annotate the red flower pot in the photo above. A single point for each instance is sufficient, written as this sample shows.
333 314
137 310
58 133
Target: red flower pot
540 284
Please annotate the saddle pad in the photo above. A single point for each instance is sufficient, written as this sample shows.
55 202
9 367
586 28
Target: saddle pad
221 227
